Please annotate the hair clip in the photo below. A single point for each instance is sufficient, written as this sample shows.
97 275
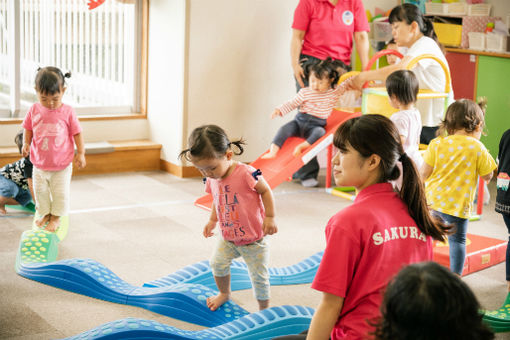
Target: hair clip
256 174
204 179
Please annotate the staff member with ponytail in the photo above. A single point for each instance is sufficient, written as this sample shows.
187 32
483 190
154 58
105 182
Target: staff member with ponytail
368 242
412 30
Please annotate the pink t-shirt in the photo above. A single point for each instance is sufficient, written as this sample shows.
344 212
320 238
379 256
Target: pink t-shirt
367 243
329 29
52 147
238 205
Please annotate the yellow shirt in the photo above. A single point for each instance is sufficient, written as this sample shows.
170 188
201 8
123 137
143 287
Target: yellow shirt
457 160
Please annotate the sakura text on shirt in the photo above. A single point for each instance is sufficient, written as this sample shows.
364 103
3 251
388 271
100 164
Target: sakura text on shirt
398 233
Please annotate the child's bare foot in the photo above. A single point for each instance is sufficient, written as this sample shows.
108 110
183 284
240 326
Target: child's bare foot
2 210
42 221
263 304
215 302
53 224
269 155
299 149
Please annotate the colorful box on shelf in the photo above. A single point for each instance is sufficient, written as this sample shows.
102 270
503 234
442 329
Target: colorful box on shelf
474 24
448 34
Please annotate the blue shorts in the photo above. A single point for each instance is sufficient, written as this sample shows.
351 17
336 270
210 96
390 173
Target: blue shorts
10 189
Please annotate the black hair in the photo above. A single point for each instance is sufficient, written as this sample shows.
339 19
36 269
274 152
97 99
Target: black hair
463 114
18 139
328 68
209 141
427 301
408 13
391 41
404 85
50 80
375 134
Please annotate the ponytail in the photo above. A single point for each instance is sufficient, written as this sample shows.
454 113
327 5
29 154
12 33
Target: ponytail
412 193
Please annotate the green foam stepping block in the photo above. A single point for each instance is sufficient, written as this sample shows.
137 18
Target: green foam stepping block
30 207
37 247
61 231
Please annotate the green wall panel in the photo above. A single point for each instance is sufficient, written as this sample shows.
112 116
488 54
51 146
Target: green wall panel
494 83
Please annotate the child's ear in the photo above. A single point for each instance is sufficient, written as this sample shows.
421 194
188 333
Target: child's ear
229 154
373 161
64 90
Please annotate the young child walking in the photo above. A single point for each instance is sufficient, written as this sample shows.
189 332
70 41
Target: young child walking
402 87
243 205
368 242
51 131
503 194
452 163
16 181
315 103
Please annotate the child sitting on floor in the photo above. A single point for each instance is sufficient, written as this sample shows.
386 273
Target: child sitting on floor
16 181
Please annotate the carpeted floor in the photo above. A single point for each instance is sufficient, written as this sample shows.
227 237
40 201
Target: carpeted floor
143 226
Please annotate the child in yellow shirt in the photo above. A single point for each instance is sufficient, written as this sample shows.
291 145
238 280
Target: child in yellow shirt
452 163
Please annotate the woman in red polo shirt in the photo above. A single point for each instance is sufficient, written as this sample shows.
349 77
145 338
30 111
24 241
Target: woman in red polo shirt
368 242
321 29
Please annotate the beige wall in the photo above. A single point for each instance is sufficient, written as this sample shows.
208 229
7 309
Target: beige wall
239 66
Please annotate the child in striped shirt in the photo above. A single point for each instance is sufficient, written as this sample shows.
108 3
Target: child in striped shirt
315 104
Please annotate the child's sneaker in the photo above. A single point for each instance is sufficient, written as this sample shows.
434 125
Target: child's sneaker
309 182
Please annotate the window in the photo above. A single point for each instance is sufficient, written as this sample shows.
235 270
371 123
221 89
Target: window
100 47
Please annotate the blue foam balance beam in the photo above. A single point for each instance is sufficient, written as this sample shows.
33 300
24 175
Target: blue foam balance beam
186 302
302 272
262 325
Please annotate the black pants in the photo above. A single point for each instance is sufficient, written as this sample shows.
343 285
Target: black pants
428 133
310 169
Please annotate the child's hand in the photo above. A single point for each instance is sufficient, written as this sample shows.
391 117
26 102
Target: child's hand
276 113
209 227
25 150
268 226
79 160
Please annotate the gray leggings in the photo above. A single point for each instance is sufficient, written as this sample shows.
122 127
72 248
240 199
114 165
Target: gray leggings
304 126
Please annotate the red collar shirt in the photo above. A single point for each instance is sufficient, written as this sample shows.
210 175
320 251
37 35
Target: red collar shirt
367 243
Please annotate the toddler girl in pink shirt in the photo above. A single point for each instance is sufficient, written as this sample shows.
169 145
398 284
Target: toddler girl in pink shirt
51 130
243 204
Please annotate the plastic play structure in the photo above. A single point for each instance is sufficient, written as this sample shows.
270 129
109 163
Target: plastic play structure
181 295
261 325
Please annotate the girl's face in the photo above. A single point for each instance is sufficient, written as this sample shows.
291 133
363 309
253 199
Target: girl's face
51 101
216 168
403 33
319 85
351 169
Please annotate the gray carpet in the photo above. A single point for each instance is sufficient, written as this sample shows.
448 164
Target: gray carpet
144 226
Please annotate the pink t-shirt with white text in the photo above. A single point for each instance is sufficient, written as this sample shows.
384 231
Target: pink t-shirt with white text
238 205
52 147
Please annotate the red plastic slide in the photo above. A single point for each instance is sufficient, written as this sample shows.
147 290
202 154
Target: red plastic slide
280 168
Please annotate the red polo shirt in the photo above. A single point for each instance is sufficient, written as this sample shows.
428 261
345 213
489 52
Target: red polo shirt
329 29
367 243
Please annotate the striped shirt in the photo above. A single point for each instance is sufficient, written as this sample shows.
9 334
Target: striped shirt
318 104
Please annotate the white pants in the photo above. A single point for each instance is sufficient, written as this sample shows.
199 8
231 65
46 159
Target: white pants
52 189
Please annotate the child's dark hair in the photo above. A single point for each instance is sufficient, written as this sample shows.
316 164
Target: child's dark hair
463 114
329 68
408 13
209 141
375 134
427 301
18 139
404 85
50 80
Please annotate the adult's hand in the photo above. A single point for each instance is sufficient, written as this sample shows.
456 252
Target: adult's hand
296 43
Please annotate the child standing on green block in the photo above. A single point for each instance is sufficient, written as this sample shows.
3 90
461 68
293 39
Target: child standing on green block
452 163
51 131
16 181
